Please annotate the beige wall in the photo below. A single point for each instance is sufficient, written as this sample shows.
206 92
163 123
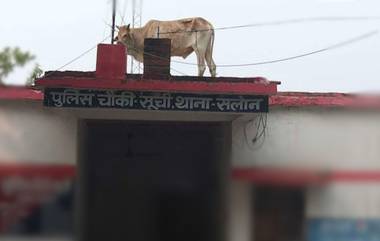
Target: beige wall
344 200
317 139
296 137
326 139
30 133
240 218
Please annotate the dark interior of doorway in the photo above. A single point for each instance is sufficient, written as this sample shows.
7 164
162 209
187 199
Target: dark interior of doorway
278 214
147 181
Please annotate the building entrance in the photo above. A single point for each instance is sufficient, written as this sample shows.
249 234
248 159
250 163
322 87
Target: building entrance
147 181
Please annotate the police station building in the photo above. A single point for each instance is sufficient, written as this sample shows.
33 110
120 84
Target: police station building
105 155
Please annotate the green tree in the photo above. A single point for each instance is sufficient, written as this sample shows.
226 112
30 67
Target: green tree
10 58
36 72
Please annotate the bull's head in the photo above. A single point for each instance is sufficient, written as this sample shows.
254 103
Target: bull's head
123 35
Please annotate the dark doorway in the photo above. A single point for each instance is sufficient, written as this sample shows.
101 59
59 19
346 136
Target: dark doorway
278 214
152 181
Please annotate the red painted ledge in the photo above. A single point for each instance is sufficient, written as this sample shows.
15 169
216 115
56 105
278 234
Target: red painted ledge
286 177
304 99
61 171
20 93
223 85
281 99
259 176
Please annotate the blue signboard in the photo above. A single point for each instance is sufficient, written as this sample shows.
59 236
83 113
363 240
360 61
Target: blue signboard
343 229
145 100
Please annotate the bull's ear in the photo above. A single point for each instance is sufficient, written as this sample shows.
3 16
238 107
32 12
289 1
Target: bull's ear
116 39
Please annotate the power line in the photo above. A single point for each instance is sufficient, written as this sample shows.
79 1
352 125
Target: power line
156 56
78 57
88 51
335 46
284 22
178 72
83 54
331 47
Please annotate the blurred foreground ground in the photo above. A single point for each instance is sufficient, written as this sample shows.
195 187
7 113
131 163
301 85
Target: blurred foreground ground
35 239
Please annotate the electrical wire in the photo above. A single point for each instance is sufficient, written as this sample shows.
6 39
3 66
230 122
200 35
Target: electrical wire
331 47
261 123
82 54
178 72
283 22
156 56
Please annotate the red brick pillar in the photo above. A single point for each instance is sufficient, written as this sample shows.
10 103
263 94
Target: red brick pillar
111 62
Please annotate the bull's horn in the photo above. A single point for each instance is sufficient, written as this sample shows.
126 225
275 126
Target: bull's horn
128 26
118 27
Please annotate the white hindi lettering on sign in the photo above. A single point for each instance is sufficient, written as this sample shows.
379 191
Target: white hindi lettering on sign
111 99
125 99
182 102
164 101
223 104
202 103
72 96
192 102
238 104
147 102
154 100
254 104
58 98
86 99
106 99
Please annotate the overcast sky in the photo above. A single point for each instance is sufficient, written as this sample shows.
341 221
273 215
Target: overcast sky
58 31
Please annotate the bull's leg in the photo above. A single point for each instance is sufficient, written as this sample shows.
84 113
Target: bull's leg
210 63
201 61
209 49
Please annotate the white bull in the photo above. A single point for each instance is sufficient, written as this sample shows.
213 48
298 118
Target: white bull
187 35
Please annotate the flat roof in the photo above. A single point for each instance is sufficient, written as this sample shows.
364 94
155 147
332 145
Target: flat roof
305 99
281 99
138 82
20 93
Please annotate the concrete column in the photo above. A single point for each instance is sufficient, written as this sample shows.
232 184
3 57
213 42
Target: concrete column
240 223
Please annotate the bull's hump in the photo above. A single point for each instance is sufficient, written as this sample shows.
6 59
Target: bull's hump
186 20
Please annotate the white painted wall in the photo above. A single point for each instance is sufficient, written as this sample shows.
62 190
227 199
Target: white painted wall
317 138
322 138
240 218
30 133
344 200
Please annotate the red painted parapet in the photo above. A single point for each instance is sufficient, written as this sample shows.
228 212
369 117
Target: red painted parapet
111 62
26 187
19 93
297 177
111 68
